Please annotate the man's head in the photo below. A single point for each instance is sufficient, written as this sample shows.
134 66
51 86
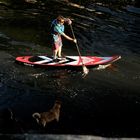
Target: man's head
60 19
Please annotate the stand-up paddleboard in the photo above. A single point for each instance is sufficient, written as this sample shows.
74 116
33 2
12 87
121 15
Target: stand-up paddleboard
69 61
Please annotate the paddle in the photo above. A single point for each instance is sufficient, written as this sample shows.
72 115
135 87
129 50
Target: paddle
85 70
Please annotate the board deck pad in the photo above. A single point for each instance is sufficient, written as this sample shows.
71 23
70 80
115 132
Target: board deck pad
71 61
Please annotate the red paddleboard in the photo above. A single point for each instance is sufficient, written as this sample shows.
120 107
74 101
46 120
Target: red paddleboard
69 61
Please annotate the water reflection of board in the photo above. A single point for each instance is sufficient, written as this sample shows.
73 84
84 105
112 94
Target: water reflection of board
68 61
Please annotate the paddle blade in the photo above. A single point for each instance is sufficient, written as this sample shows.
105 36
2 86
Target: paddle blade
85 71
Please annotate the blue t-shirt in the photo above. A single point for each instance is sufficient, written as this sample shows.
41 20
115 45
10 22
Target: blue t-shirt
56 29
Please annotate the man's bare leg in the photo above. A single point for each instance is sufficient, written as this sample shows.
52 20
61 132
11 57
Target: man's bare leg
55 54
59 51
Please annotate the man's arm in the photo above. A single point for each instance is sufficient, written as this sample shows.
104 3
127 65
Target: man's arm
69 38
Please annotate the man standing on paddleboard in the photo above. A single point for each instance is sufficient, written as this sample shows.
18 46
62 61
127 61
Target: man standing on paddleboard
57 30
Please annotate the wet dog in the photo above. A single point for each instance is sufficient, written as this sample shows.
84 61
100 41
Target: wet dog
46 117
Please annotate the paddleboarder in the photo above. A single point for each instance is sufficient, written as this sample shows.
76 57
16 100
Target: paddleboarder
57 30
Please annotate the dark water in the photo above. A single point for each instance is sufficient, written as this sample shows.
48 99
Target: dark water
104 103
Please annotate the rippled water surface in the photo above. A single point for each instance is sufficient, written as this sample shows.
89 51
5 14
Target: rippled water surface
106 102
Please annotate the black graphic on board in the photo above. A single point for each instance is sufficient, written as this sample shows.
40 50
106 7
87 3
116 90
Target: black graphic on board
64 60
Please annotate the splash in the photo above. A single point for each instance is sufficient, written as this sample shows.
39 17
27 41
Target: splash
101 67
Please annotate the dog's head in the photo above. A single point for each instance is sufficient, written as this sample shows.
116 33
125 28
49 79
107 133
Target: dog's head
57 104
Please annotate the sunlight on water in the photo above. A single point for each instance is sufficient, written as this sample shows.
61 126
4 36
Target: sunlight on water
107 92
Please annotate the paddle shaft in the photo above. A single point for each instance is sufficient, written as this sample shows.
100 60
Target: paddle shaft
76 45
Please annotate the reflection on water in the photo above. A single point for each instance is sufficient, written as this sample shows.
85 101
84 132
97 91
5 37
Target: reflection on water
106 102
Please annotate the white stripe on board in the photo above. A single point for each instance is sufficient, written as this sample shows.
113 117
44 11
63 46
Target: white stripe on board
46 59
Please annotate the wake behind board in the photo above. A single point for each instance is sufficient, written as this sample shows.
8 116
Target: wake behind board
68 61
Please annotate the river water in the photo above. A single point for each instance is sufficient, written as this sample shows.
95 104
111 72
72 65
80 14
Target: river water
105 103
